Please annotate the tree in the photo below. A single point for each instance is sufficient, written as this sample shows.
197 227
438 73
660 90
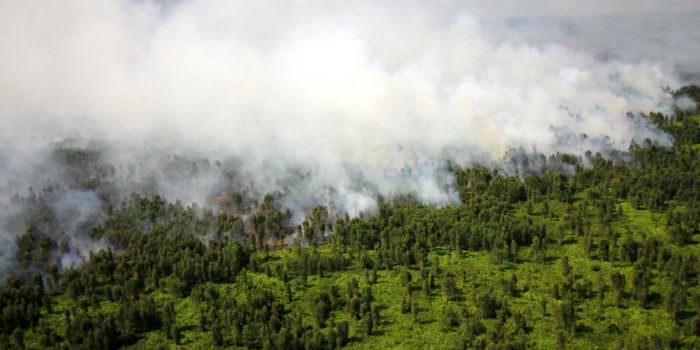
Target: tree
488 305
565 268
567 316
415 312
406 303
355 306
18 337
322 308
618 283
450 319
449 286
640 283
368 323
343 332
169 318
676 300
406 278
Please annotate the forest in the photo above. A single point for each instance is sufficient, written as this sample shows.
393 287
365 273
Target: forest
590 251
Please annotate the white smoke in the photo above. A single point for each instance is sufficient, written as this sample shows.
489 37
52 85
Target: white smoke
685 104
329 102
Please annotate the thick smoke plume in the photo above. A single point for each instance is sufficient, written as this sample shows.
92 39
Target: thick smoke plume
328 102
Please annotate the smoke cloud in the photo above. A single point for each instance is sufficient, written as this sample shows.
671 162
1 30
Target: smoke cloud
328 102
686 104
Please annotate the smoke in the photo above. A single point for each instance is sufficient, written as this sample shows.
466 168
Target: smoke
326 102
685 104
77 212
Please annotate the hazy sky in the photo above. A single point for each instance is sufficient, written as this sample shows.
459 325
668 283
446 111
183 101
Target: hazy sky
535 8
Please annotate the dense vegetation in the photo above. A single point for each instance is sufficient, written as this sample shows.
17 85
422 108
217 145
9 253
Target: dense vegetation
605 256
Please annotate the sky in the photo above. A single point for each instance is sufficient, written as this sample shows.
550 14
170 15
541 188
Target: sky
563 8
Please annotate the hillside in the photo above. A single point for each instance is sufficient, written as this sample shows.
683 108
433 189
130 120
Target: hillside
605 257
